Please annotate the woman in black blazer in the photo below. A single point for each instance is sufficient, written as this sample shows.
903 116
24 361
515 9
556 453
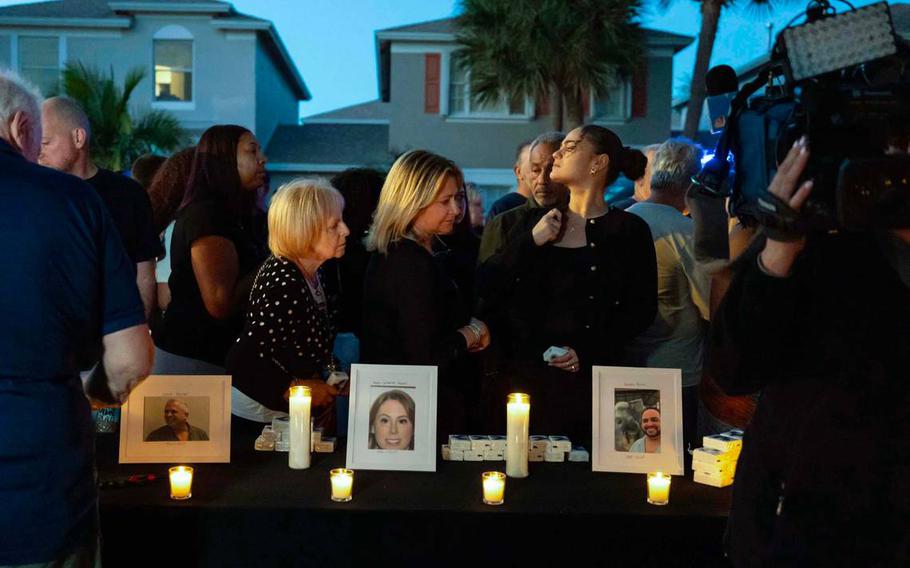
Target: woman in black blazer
582 278
413 312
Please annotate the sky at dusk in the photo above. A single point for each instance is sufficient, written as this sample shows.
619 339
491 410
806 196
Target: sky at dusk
333 46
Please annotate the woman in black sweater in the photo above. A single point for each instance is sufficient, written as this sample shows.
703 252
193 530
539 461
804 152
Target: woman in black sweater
413 312
289 331
583 279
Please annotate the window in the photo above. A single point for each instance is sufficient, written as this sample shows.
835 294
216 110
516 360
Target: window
615 105
461 104
173 70
39 62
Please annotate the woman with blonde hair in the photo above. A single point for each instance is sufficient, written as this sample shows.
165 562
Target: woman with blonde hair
413 312
288 334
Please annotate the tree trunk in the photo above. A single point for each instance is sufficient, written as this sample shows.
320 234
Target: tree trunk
558 109
577 110
710 16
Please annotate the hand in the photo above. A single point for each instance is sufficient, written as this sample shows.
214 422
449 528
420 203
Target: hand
568 362
484 340
778 256
321 393
547 229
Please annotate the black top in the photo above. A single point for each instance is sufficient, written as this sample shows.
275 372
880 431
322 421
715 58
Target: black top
131 210
593 301
412 310
508 201
68 284
286 336
187 328
829 349
344 281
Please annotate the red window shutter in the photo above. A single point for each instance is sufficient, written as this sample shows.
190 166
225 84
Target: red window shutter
431 84
640 91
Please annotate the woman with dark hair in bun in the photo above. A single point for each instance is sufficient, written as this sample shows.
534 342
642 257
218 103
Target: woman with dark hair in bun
582 278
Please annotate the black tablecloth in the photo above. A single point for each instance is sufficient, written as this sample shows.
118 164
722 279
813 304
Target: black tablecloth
256 511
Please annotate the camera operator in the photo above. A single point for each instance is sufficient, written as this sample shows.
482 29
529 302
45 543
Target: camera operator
821 325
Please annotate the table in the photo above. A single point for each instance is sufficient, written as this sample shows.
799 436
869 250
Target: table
256 511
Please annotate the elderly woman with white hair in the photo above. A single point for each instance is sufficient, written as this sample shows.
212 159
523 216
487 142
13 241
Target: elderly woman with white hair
289 331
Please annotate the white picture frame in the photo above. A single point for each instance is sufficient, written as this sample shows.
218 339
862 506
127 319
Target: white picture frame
626 401
162 404
392 395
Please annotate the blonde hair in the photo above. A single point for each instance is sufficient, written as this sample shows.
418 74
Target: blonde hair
414 181
299 212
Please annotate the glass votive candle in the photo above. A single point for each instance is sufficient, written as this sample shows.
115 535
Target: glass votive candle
658 488
494 487
342 483
181 477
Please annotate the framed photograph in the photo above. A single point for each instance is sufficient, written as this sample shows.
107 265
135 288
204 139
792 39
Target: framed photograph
638 426
177 418
392 422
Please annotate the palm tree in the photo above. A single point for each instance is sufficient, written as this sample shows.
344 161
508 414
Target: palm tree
548 49
710 18
118 138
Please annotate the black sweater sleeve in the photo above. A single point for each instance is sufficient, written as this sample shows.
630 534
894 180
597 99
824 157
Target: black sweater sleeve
637 302
752 336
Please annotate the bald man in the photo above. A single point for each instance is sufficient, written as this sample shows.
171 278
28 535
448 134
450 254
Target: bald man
177 427
65 146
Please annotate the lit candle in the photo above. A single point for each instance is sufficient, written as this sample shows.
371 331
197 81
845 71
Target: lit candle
299 402
658 488
181 482
518 417
342 482
494 487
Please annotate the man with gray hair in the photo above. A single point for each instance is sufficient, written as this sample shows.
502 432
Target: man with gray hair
518 197
68 289
65 146
676 338
543 192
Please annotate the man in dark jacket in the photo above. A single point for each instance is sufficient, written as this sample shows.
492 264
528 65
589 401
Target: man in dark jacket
68 288
821 326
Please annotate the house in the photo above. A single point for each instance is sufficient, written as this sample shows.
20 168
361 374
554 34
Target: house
206 63
425 102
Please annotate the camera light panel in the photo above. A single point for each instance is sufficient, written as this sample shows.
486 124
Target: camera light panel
840 41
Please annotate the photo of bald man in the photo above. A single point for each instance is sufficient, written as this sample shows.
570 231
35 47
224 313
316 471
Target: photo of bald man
177 427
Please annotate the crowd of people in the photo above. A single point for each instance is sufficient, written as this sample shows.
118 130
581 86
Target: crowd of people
401 267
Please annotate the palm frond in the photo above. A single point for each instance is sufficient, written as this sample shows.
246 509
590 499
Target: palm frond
118 138
526 48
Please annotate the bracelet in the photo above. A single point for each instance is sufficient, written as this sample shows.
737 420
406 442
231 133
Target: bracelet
478 332
474 336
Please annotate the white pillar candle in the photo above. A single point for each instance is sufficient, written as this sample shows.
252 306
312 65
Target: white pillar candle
342 483
181 477
518 416
299 402
658 488
494 487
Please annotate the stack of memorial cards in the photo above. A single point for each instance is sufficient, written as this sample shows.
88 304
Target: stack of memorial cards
478 447
715 463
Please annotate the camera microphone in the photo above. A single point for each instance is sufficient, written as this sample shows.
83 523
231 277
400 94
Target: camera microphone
721 85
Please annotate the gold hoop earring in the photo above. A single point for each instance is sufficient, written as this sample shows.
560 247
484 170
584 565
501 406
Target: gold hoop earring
593 170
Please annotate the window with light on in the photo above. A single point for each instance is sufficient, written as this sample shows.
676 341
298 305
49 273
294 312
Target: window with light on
173 70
